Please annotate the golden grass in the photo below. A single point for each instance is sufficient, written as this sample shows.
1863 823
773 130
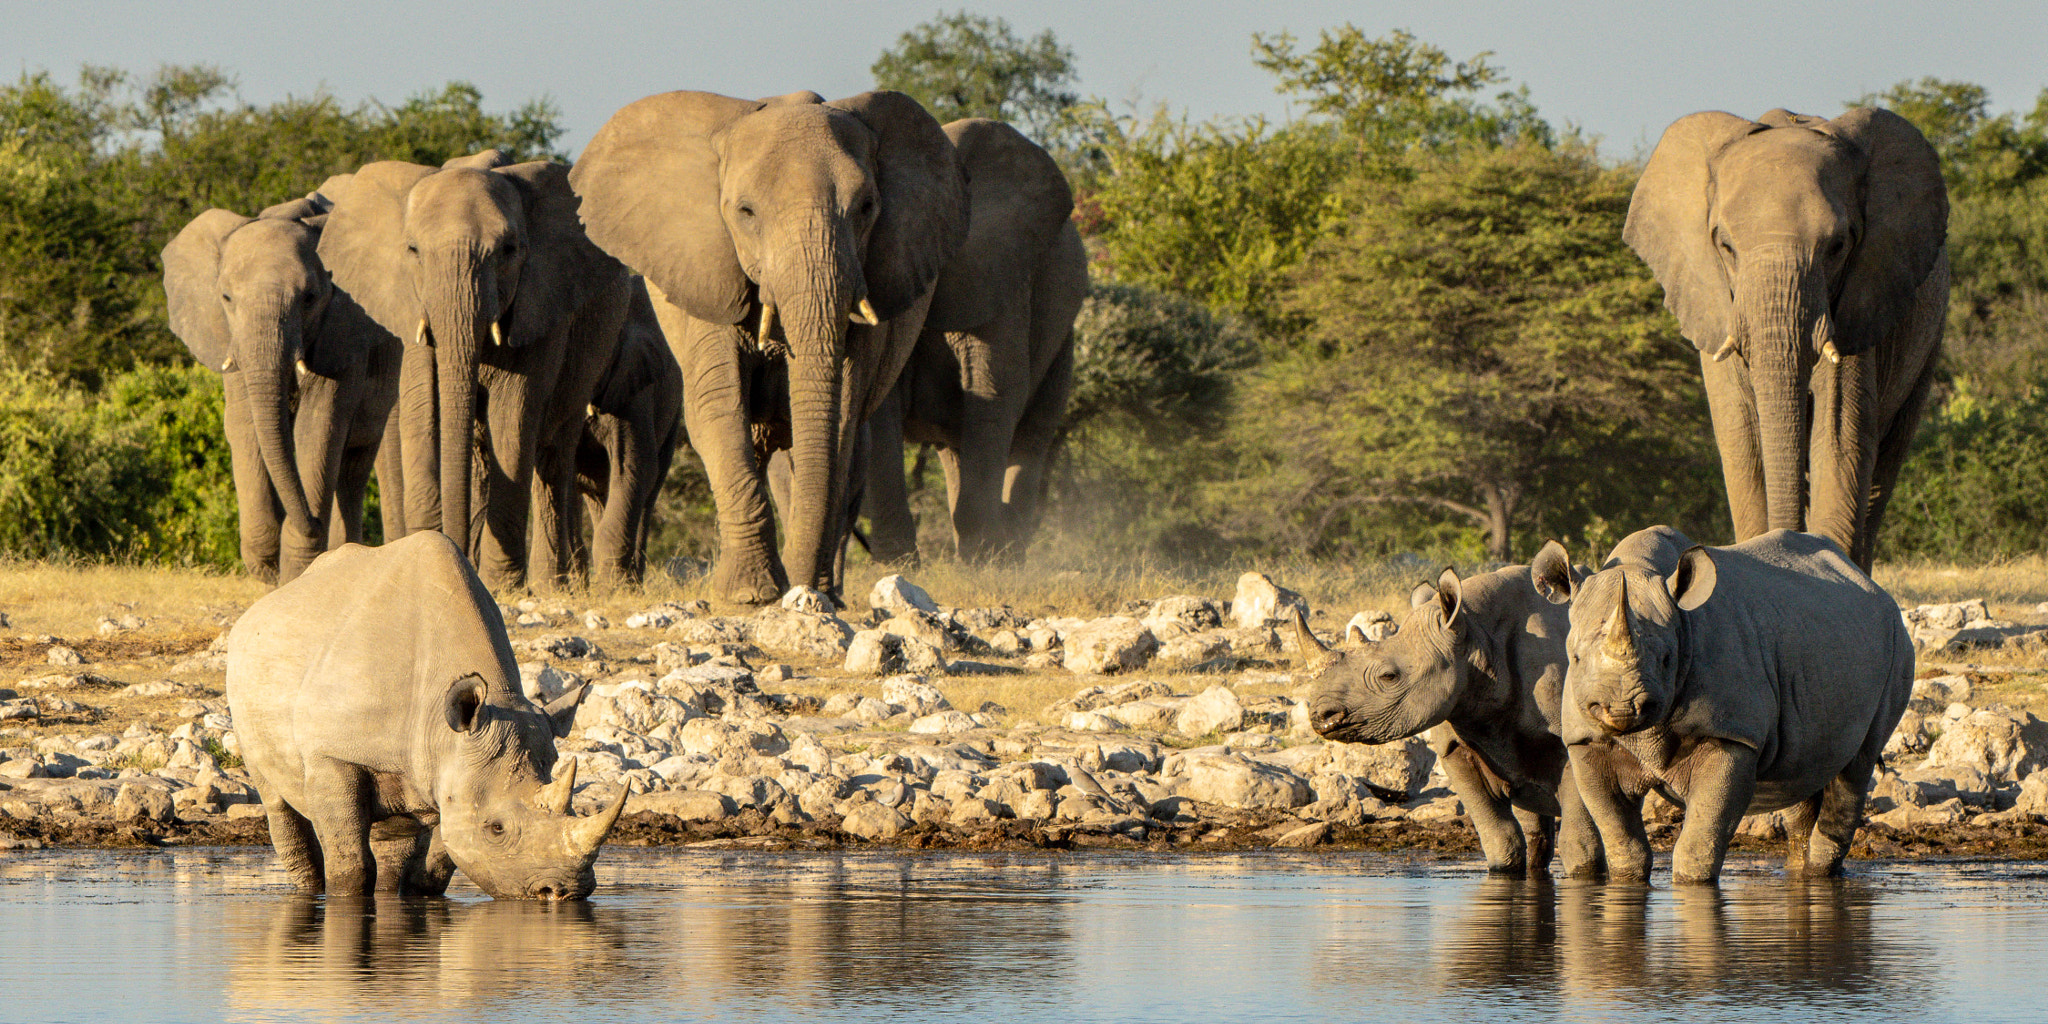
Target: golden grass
2017 585
69 600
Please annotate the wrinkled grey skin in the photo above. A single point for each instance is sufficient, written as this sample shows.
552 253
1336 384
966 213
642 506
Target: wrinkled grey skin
989 379
308 379
635 423
1753 678
790 246
1480 663
1806 259
378 689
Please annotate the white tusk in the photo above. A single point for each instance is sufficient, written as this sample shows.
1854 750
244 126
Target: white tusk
865 314
1727 349
423 336
1827 348
227 364
302 368
590 411
497 335
767 322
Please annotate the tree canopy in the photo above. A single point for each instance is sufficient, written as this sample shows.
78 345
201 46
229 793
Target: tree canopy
969 65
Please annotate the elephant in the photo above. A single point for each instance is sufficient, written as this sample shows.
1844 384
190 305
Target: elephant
308 379
989 379
511 314
379 690
1812 252
1752 678
628 444
790 247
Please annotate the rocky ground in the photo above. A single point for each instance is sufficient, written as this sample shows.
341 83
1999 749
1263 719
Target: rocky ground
1177 724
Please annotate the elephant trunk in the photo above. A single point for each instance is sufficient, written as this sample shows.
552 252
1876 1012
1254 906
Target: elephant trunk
461 309
1784 298
268 369
815 314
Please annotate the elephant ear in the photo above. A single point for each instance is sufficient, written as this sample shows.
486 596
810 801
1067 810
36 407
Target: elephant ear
192 285
1905 224
563 270
923 196
293 209
1668 223
363 243
1017 200
649 185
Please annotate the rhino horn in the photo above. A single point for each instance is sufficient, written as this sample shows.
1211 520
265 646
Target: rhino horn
587 834
1621 643
554 797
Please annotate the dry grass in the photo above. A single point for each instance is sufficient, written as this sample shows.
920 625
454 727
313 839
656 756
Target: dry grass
68 600
2015 586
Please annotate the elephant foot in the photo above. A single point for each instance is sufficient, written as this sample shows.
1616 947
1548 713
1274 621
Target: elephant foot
740 583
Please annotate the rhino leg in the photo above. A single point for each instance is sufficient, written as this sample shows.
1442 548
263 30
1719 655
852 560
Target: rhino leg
1578 841
298 850
1615 808
1841 811
1488 808
431 873
337 799
1799 819
1723 779
1539 832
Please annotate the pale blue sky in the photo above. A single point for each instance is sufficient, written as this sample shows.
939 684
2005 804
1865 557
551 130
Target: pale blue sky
1622 70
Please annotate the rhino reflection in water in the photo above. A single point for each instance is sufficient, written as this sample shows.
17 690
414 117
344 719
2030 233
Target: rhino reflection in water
378 692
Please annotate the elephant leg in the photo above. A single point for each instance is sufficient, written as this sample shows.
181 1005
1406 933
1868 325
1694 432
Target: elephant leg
417 413
507 483
1840 454
1733 408
1031 450
258 512
620 531
892 527
349 491
779 483
715 414
1891 455
977 472
391 480
555 517
1723 780
1500 835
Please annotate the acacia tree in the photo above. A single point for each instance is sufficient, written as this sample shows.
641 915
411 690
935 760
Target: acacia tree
1481 349
968 65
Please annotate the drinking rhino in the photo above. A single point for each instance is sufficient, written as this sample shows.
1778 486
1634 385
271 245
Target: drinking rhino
378 689
1751 678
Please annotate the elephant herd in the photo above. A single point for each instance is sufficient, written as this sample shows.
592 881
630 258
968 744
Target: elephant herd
796 286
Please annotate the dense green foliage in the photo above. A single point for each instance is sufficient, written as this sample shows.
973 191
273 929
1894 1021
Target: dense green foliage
967 65
1402 320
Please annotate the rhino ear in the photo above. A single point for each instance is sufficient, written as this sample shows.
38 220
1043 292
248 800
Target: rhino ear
465 702
1693 581
1450 595
561 711
1551 573
1421 595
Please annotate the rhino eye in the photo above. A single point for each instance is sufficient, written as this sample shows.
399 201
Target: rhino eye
1390 675
497 828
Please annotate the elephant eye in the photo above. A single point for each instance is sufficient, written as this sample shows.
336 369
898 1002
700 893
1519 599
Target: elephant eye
225 297
746 210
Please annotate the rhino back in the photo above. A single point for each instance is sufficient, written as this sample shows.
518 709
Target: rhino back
1797 652
351 661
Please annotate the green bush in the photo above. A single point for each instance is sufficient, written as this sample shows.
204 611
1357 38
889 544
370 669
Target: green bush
1971 488
138 472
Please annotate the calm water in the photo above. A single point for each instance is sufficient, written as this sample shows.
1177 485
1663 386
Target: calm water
214 935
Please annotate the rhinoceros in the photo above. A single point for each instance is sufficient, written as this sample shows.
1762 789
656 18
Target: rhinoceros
1758 677
378 689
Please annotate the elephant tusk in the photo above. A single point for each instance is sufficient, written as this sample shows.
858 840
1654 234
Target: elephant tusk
302 368
590 411
767 322
227 365
865 314
425 335
497 334
1727 349
1827 348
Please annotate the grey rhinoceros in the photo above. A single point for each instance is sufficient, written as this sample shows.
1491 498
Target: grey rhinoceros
1758 677
378 689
